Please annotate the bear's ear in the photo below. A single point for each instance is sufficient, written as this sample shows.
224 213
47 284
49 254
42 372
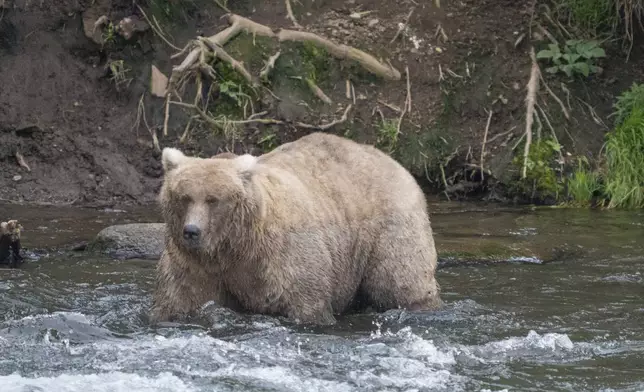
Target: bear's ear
171 158
245 164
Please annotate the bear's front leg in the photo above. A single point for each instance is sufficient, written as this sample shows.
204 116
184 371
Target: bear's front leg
317 312
182 288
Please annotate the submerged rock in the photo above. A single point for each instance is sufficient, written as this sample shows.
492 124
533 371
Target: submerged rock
130 241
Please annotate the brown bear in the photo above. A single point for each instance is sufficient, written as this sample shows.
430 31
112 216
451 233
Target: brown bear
301 232
225 155
10 243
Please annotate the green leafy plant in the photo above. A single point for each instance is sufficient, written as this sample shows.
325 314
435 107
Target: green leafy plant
578 57
234 91
542 181
109 34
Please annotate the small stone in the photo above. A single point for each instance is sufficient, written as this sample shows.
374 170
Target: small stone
17 177
373 22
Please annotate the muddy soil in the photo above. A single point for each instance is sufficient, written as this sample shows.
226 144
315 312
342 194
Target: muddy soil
77 130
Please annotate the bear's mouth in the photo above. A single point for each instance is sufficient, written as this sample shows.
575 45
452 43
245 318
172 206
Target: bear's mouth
192 244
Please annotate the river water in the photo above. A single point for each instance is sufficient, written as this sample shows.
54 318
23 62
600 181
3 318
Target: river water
565 312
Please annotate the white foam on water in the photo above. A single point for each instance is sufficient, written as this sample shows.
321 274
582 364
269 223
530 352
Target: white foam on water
103 382
531 346
282 377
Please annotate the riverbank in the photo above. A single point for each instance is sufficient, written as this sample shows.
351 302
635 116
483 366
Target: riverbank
78 115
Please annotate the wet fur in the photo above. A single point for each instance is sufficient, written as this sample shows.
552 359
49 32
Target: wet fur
298 232
10 243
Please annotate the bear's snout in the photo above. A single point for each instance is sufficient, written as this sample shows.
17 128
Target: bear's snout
191 232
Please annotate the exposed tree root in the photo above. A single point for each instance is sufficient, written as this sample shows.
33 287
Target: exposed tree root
270 64
290 15
533 86
316 90
201 50
267 121
240 24
487 129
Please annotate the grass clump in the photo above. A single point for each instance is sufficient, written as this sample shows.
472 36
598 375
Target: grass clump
593 16
624 178
628 101
583 185
602 18
620 180
387 135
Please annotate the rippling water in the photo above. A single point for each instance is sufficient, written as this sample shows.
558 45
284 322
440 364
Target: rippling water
575 323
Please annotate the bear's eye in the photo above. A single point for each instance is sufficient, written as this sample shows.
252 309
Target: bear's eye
185 198
211 200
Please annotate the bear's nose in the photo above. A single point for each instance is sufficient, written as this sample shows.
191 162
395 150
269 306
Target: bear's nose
191 232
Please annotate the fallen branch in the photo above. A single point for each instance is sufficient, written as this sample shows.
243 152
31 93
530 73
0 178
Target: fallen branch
533 86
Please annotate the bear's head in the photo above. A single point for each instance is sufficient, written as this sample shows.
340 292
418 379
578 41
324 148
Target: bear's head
205 201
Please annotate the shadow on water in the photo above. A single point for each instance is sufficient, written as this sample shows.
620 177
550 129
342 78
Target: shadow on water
73 322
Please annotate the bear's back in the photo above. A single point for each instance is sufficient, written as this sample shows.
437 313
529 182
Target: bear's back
347 171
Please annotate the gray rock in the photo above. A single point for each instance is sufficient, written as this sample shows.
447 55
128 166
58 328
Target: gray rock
130 241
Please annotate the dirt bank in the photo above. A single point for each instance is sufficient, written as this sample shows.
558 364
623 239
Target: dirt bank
70 112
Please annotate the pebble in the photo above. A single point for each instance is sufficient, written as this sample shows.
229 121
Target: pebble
17 177
373 22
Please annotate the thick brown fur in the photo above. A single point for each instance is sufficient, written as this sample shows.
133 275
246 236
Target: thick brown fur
225 155
297 232
10 243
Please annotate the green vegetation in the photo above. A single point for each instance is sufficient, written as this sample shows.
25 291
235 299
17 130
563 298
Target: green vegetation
620 181
578 57
593 16
387 137
268 142
542 180
600 17
628 101
170 12
624 178
583 185
109 34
